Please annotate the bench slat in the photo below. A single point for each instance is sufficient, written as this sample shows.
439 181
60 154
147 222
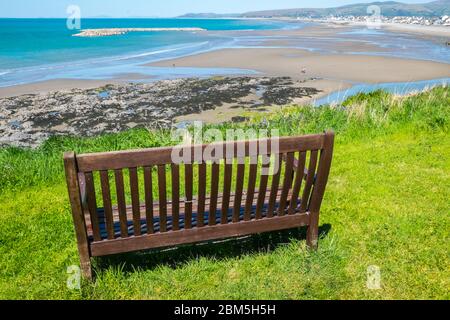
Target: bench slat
239 189
251 188
264 177
162 197
309 180
228 170
275 186
106 194
92 205
215 169
188 177
121 203
201 193
299 176
134 188
148 189
176 195
287 183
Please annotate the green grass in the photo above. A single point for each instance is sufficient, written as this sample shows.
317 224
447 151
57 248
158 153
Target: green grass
386 204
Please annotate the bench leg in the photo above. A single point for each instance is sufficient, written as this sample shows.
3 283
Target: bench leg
73 187
312 234
86 268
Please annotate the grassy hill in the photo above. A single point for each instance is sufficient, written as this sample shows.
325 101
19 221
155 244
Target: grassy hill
388 9
386 205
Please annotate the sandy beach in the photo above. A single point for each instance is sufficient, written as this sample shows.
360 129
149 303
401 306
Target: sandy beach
49 86
302 64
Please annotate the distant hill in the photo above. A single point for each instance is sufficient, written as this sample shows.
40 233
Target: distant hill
388 9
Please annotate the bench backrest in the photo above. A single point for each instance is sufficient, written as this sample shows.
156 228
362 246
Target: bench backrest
223 184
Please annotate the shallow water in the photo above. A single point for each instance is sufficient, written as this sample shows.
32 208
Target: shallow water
401 45
399 88
382 43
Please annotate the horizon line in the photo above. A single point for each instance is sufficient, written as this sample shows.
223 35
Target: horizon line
130 17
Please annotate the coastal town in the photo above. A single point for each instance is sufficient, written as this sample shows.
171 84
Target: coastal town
414 20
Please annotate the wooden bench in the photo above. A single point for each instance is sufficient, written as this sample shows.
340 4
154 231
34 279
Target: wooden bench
210 200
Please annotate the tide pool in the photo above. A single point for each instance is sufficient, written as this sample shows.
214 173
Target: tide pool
398 88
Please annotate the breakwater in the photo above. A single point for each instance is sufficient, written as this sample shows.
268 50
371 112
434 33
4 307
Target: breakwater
120 31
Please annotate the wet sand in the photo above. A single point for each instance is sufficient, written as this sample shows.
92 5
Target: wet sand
51 85
439 31
337 69
301 64
337 66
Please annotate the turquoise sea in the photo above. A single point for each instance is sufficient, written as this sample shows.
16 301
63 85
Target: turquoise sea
33 50
42 49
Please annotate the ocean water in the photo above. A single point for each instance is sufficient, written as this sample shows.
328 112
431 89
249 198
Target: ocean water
33 50
42 49
397 88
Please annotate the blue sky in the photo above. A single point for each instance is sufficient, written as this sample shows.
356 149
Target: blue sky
160 8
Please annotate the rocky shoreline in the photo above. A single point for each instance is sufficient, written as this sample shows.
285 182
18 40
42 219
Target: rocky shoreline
28 120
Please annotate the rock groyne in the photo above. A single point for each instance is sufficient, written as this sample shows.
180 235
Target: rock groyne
120 31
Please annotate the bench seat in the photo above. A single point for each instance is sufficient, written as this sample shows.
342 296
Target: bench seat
156 219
